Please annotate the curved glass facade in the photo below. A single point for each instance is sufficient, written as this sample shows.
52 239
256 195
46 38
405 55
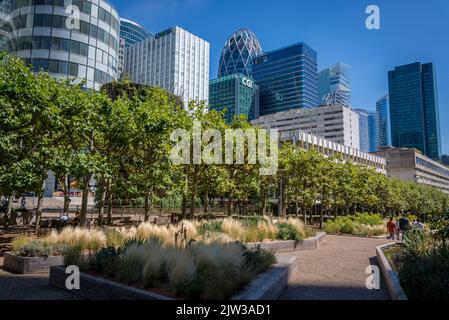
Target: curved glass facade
132 32
46 35
238 53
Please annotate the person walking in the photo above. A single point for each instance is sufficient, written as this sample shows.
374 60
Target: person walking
404 226
391 228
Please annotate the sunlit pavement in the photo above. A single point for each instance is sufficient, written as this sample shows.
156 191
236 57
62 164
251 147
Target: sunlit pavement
336 271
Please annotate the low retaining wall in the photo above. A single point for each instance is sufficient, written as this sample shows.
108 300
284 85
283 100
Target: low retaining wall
270 284
27 265
390 276
267 286
291 245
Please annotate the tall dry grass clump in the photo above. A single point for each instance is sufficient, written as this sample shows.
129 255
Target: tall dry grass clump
164 234
298 225
233 228
84 239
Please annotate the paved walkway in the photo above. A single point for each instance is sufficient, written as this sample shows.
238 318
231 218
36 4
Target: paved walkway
336 271
29 287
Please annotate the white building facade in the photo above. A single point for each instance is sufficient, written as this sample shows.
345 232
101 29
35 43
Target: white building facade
175 60
336 123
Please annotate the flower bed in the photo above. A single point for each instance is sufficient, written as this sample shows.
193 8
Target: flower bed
195 271
361 224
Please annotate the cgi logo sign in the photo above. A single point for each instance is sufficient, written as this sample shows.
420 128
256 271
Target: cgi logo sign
247 82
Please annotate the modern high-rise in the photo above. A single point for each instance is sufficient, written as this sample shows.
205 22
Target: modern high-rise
363 129
414 108
45 36
175 60
237 93
130 33
288 78
373 133
336 123
335 85
383 121
445 159
238 53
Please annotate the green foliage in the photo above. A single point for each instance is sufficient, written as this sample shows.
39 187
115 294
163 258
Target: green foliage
106 261
39 248
368 219
288 232
210 227
423 266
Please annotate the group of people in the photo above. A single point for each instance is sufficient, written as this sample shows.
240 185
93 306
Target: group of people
400 227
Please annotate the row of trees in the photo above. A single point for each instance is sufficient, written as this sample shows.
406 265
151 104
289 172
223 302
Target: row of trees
120 137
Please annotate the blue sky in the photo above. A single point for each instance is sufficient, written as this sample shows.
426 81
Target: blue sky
410 31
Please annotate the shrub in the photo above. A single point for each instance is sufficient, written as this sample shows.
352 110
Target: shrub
39 248
287 231
368 219
164 234
115 238
181 269
106 261
75 256
19 242
85 239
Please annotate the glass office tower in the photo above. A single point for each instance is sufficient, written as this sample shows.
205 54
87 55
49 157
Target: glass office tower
44 35
238 53
383 121
373 131
236 93
414 108
132 32
363 129
288 78
335 85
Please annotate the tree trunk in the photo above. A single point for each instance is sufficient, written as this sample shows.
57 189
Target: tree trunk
206 203
40 201
322 212
192 206
147 206
230 207
304 213
8 213
184 206
84 199
102 196
66 190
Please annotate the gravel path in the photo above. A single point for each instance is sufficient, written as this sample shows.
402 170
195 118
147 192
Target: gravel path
336 271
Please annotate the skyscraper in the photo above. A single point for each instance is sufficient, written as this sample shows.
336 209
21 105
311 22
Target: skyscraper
175 60
40 32
335 85
130 33
414 108
237 93
238 53
363 129
288 78
383 121
373 131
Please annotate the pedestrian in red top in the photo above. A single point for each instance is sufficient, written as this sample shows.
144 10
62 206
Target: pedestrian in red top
391 227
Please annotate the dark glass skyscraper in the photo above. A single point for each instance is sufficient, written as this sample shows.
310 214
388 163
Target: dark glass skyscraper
131 32
288 78
414 108
383 122
373 131
236 93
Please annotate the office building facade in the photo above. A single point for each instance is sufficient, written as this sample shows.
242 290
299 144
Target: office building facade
335 85
414 108
445 159
363 129
130 33
175 60
46 36
383 122
373 133
237 93
409 165
328 148
288 79
336 123
238 53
